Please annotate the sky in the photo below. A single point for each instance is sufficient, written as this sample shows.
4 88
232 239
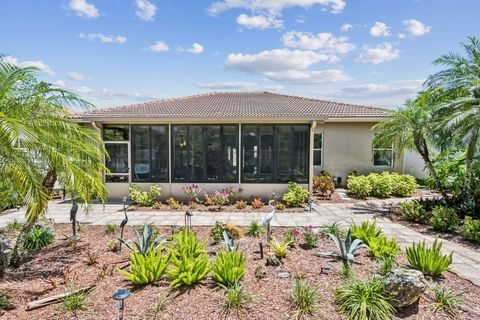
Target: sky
116 52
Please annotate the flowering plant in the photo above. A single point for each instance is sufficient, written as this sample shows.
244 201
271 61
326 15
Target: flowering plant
293 236
233 192
310 236
218 198
191 191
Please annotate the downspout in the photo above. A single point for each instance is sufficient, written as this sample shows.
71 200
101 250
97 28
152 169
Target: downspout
310 166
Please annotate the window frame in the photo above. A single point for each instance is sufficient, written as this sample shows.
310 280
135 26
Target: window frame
317 149
392 162
127 143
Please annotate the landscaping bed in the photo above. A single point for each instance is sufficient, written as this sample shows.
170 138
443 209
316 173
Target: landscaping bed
63 266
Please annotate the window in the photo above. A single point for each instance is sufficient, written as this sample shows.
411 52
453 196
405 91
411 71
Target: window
150 153
383 155
205 153
318 149
116 143
275 153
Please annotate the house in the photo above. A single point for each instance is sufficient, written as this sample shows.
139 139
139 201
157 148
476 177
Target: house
259 140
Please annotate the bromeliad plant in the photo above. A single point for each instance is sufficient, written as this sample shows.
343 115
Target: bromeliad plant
229 268
382 247
146 241
365 231
147 268
346 250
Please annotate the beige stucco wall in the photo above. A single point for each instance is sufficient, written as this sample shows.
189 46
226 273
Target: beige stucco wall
347 147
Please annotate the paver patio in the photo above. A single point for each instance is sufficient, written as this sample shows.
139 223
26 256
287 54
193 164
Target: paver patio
466 261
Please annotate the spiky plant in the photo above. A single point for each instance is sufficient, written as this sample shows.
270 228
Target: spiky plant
229 267
304 299
346 249
365 231
146 241
429 260
447 300
255 229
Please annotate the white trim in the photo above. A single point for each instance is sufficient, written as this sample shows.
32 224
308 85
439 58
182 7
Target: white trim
321 149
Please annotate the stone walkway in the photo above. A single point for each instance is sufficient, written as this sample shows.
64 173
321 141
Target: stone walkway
466 261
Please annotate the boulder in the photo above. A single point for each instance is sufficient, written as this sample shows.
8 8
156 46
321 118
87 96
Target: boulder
403 287
284 274
260 272
273 261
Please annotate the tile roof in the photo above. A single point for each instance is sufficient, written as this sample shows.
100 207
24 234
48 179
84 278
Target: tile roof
239 105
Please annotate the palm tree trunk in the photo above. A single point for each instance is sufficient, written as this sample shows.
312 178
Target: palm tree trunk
422 149
471 151
49 181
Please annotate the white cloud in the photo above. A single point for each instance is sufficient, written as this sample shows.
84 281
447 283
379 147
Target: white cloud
103 38
286 65
345 27
402 35
380 29
238 85
378 54
145 10
276 6
108 94
76 76
42 66
196 48
259 21
159 46
84 9
416 28
323 41
60 84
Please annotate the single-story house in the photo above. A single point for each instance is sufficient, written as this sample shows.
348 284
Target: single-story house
258 140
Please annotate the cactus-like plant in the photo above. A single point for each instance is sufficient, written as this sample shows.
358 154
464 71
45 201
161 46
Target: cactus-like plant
145 242
346 249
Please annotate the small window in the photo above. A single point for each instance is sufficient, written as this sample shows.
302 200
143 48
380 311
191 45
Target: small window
317 149
115 133
383 157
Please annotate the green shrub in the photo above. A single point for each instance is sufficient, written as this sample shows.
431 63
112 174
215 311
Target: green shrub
382 184
296 195
304 298
279 248
365 231
447 300
39 237
323 184
146 268
364 300
5 303
110 228
236 297
359 186
310 236
382 247
229 267
403 184
471 229
75 301
413 211
14 225
189 258
333 228
216 233
429 260
255 229
444 219
9 197
146 198
387 263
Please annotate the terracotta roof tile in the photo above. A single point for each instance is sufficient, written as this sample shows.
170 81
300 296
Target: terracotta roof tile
239 105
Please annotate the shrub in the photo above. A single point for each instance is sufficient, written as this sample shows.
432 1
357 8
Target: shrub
146 198
92 257
444 219
382 184
387 263
110 228
216 233
157 205
365 231
113 245
471 229
359 186
447 300
192 192
236 297
323 184
14 225
333 228
234 232
241 204
403 184
232 192
279 206
217 198
296 195
75 301
413 211
382 247
292 236
280 248
304 298
39 237
5 303
310 236
146 268
364 300
428 260
172 203
257 203
255 229
189 258
229 267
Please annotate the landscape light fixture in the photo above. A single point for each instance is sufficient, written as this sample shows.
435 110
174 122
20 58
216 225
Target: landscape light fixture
120 295
188 220
73 219
310 202
124 222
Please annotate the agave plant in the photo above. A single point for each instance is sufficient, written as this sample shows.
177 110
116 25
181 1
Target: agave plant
229 242
346 250
145 242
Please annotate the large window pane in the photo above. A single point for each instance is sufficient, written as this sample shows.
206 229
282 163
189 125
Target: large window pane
383 157
118 162
230 153
317 149
115 132
300 154
150 153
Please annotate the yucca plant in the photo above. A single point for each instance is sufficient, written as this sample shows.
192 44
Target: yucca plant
364 300
39 237
365 231
429 260
146 268
304 298
189 259
280 248
236 297
229 267
447 300
346 250
382 247
146 241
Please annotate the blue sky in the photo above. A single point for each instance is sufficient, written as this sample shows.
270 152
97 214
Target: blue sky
115 52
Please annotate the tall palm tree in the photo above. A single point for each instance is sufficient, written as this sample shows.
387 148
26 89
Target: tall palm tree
461 113
410 128
39 141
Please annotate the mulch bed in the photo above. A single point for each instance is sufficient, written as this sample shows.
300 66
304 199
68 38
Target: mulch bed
203 208
61 267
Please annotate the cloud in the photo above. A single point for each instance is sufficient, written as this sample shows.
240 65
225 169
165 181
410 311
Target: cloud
259 22
60 84
103 38
159 46
83 9
273 6
326 42
402 35
196 48
108 94
286 65
378 54
238 85
416 28
380 29
345 27
76 76
42 66
145 10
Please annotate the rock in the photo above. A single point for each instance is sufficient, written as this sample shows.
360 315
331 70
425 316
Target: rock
404 287
273 261
260 272
284 275
234 232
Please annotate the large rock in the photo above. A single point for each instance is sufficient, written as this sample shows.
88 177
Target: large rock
404 287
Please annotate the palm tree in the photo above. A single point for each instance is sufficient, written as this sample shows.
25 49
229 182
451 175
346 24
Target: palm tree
411 128
39 141
461 114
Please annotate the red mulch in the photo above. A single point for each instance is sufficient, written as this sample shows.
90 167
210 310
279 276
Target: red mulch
60 267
